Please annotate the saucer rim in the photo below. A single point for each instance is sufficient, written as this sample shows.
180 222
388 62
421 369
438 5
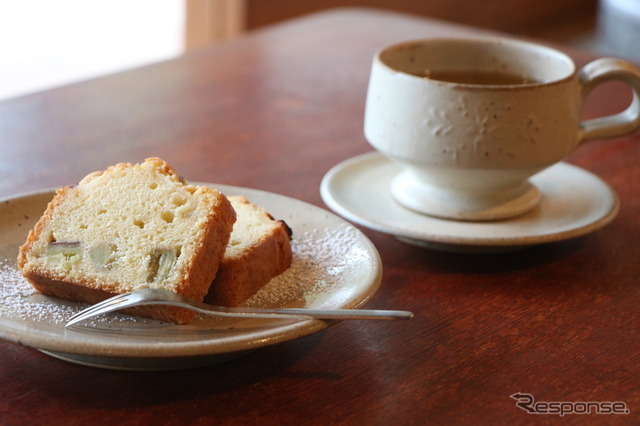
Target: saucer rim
446 242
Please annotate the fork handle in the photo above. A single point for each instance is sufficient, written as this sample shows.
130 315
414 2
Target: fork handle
350 314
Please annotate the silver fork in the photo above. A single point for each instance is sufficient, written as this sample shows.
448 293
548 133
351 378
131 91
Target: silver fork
149 296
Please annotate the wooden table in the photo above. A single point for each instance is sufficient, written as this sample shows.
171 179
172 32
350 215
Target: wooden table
275 110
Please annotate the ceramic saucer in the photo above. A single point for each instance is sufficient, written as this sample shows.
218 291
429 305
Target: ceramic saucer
574 203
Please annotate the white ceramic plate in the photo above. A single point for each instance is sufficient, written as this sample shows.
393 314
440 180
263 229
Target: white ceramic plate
574 203
334 266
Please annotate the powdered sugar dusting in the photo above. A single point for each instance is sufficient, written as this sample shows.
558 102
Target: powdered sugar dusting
320 258
12 284
19 299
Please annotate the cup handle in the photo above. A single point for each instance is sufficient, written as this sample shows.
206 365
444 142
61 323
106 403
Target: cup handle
622 123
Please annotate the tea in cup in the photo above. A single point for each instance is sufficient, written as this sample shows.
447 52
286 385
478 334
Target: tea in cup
471 120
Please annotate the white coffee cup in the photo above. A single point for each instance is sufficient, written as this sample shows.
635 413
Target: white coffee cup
468 149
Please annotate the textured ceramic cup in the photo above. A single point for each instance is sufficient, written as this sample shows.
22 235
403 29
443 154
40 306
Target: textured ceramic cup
468 149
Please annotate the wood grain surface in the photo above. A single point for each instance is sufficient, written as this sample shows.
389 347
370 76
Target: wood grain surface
275 110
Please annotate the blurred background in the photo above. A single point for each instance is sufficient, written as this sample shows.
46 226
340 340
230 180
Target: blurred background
44 43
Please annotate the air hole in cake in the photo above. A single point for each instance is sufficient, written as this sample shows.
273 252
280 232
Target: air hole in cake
101 211
167 217
178 200
83 226
138 223
153 185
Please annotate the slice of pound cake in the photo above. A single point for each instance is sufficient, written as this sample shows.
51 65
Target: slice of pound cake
129 227
259 249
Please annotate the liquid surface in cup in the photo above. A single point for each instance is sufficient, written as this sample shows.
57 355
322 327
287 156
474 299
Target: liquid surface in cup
494 78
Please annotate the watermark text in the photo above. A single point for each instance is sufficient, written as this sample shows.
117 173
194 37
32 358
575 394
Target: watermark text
527 402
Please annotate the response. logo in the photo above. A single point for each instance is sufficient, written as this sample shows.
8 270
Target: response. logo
528 403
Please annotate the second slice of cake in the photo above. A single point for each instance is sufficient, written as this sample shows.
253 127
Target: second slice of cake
259 249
